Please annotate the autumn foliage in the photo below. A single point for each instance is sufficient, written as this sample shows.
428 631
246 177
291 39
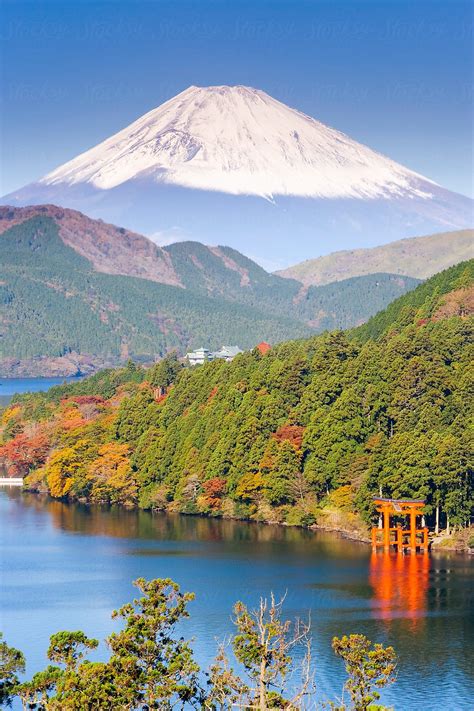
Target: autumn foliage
290 433
325 423
24 452
110 474
214 490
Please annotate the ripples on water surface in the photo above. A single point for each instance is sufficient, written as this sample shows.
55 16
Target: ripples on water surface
67 566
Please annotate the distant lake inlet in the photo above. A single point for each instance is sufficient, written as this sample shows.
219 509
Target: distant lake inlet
15 386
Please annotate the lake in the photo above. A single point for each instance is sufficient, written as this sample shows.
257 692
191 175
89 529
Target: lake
66 566
14 386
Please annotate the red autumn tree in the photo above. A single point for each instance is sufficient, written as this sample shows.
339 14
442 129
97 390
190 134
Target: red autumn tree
24 452
214 490
87 399
290 433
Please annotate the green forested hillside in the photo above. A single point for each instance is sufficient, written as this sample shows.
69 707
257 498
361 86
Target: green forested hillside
52 301
422 302
228 274
313 424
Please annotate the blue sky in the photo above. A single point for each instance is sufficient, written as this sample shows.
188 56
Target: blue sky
395 75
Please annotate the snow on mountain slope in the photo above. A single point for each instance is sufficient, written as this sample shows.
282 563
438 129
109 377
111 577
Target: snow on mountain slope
231 165
240 141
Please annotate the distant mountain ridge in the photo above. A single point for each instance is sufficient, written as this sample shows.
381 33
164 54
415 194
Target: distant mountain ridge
232 164
72 285
418 257
110 249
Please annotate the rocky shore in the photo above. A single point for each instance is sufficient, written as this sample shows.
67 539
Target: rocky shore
65 366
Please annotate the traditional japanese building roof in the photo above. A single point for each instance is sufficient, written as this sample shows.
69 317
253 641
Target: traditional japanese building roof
263 347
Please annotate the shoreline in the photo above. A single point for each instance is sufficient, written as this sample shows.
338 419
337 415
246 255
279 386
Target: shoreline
341 531
344 533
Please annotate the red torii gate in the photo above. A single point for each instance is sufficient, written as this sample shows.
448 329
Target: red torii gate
411 538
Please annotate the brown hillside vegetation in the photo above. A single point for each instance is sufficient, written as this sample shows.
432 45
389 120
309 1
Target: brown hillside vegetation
110 249
419 257
457 303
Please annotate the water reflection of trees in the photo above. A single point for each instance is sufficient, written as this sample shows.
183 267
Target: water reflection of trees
119 522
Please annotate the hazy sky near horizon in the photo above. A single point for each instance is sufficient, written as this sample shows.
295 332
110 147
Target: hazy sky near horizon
394 74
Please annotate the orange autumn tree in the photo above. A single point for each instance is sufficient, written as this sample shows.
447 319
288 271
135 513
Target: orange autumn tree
70 416
214 490
290 433
111 475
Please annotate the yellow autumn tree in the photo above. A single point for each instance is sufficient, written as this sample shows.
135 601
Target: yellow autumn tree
250 487
60 470
111 474
70 417
10 413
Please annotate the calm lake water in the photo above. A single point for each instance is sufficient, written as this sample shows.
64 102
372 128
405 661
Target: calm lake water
67 566
13 386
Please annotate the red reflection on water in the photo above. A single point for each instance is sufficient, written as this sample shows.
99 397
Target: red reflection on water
400 585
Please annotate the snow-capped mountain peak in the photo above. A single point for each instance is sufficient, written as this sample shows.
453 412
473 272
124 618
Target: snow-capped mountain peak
239 140
231 165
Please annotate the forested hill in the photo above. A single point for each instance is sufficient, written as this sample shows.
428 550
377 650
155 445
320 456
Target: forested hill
311 427
52 301
70 284
448 293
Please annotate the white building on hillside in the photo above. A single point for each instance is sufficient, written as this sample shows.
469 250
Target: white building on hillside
199 356
228 353
203 355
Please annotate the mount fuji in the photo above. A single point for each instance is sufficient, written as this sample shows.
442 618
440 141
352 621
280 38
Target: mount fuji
232 165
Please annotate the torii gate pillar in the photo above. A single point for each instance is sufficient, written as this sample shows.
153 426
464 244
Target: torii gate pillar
401 539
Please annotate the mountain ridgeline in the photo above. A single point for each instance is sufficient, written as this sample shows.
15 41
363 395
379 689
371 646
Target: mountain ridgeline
419 257
312 427
73 285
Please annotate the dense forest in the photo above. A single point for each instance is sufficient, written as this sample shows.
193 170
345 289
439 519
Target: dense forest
53 302
311 426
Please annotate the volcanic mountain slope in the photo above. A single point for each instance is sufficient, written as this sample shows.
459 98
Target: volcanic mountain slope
66 287
241 141
232 164
419 257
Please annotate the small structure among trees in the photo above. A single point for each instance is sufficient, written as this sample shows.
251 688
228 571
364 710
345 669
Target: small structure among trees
263 347
402 538
203 355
